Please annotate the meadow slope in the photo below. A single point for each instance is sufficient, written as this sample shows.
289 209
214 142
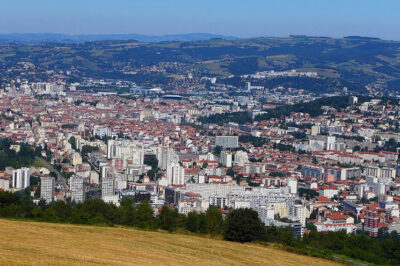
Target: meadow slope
62 244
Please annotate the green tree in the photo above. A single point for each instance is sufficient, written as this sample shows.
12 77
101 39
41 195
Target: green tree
86 149
72 140
167 218
243 225
230 172
217 150
311 227
193 222
214 220
145 215
274 174
128 212
202 223
152 161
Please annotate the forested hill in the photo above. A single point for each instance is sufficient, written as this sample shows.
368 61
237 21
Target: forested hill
352 61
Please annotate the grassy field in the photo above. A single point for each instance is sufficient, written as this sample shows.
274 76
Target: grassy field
48 244
38 164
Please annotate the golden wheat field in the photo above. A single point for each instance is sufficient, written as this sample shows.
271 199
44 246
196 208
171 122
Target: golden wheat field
32 243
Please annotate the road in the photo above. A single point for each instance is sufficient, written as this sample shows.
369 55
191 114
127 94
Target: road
92 165
60 178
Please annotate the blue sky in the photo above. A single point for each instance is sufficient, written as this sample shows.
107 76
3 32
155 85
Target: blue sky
242 18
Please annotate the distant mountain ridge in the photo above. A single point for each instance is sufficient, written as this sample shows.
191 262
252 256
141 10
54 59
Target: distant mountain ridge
65 38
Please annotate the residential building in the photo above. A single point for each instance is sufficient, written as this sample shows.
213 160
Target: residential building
77 186
226 159
227 142
21 178
47 188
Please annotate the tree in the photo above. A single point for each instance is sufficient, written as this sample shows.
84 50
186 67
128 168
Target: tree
202 223
299 135
314 214
256 141
376 138
238 178
308 193
217 150
145 218
86 149
275 174
152 161
192 222
390 145
311 227
167 218
214 220
72 140
230 172
243 225
129 213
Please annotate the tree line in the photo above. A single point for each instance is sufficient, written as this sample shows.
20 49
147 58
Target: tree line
241 225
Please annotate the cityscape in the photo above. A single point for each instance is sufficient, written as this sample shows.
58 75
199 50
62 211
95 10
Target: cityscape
289 142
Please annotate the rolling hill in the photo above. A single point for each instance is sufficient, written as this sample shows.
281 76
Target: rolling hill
48 244
352 62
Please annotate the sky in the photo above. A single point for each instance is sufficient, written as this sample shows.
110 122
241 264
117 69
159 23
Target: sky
241 18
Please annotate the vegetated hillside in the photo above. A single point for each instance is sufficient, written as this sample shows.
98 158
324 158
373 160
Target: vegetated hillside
351 62
62 244
313 108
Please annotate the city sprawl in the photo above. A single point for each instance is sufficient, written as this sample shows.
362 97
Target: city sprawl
300 160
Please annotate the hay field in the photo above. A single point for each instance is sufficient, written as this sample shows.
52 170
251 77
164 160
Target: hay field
61 244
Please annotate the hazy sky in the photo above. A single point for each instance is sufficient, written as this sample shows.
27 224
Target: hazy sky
242 18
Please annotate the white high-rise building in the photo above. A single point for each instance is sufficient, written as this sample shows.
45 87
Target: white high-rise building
330 142
47 189
353 100
297 212
107 187
292 184
175 174
166 156
226 159
77 186
21 178
131 152
241 157
266 214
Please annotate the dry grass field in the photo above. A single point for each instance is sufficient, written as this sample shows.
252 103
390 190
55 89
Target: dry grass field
49 244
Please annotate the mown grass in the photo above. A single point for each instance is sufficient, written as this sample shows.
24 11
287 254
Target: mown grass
23 242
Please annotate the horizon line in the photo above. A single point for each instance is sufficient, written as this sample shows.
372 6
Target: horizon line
190 33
